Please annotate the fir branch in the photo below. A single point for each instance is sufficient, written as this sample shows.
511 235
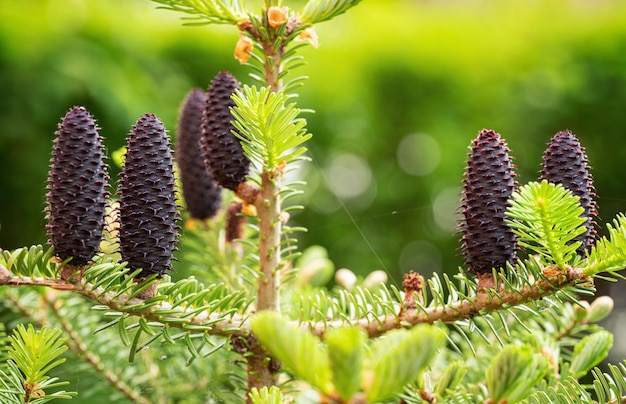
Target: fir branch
609 253
76 344
189 305
316 11
269 128
547 218
207 11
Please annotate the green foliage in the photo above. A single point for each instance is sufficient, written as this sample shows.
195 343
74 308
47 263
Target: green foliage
609 253
32 355
207 11
31 262
346 351
269 128
36 352
265 395
399 358
546 218
610 387
291 344
514 372
589 352
507 338
322 10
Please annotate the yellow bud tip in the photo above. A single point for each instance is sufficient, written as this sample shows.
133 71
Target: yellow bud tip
309 35
541 202
277 16
248 209
243 48
191 224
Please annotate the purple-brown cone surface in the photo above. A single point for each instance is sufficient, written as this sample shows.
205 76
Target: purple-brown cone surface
565 163
148 214
201 193
487 241
222 150
77 181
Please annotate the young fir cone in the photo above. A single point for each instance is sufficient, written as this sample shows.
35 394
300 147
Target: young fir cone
487 241
222 150
77 181
201 193
147 200
565 162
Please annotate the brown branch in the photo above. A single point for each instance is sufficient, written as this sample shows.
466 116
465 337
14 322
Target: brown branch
214 322
484 301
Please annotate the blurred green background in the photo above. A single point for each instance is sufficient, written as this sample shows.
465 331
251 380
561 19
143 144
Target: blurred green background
400 88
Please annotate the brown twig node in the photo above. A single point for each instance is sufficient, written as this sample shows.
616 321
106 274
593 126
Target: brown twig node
413 284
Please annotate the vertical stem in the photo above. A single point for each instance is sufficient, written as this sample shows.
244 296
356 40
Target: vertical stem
270 228
261 368
269 209
272 66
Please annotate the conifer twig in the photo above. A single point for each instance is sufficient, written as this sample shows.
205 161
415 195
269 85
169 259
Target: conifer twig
485 300
77 345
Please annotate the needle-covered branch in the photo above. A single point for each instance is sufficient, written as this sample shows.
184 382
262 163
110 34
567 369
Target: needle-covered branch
217 312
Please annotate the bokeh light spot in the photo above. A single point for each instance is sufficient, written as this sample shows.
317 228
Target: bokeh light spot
348 175
421 256
418 154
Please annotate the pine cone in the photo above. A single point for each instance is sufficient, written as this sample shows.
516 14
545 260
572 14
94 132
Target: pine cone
487 240
77 181
148 213
565 163
201 193
222 150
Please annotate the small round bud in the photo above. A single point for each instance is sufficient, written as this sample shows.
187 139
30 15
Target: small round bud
600 309
243 49
374 279
345 278
277 16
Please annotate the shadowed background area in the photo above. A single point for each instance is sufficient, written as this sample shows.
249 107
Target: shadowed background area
400 88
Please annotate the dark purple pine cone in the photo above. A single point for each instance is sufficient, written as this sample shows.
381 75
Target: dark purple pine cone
487 241
201 193
77 182
148 214
565 162
222 150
